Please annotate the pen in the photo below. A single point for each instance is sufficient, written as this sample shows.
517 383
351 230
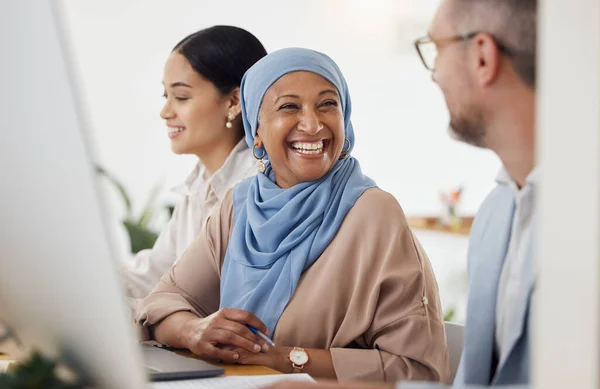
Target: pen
261 335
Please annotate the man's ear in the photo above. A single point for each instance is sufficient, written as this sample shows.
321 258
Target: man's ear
487 57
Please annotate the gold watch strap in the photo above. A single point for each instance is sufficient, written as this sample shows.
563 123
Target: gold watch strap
297 368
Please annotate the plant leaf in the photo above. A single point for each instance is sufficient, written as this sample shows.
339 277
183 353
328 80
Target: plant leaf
150 207
120 188
449 315
141 238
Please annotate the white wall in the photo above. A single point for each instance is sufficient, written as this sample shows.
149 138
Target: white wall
567 331
120 47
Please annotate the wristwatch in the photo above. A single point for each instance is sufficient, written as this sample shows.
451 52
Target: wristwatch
299 358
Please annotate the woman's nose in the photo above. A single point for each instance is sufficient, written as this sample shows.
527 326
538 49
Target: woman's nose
310 122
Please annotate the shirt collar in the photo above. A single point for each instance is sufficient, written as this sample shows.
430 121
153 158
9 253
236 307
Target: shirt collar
221 181
503 178
233 170
185 188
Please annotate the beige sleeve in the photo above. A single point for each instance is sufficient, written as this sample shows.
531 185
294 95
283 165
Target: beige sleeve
193 283
404 337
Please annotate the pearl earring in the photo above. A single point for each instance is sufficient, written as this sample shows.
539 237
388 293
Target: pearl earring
230 117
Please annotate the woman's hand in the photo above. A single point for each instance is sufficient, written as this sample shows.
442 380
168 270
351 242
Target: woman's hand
276 358
224 334
319 365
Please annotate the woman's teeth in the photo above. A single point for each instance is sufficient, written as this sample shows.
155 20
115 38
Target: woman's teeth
308 148
175 130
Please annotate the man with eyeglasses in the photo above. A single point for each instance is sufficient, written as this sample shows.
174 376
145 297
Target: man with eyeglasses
481 53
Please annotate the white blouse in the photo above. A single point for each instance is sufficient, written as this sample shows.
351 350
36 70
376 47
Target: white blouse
200 194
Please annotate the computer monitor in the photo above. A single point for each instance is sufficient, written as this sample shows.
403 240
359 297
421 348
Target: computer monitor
59 286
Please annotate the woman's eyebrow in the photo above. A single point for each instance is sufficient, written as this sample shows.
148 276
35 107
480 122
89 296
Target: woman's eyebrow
284 96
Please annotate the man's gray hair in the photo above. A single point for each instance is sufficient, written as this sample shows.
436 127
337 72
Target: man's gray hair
512 23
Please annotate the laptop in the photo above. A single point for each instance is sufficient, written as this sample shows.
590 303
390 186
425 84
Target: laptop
164 365
59 287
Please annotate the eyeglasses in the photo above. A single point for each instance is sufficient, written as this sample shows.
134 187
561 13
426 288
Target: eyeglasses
428 48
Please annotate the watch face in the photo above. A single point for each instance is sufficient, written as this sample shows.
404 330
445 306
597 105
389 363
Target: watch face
299 357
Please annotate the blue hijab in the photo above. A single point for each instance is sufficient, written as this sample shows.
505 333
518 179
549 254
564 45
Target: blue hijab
279 233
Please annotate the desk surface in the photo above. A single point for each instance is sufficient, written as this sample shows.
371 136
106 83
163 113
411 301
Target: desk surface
230 370
433 224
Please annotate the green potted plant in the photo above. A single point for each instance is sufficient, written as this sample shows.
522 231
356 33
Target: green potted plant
38 372
141 235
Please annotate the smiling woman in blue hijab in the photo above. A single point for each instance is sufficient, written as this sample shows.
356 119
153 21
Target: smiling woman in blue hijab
309 252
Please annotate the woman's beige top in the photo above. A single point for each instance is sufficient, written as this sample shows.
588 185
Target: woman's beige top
371 298
200 194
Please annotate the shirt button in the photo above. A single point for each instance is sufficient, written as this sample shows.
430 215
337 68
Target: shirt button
425 300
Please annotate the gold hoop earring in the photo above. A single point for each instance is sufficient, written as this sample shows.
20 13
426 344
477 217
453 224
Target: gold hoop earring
261 162
230 117
345 150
